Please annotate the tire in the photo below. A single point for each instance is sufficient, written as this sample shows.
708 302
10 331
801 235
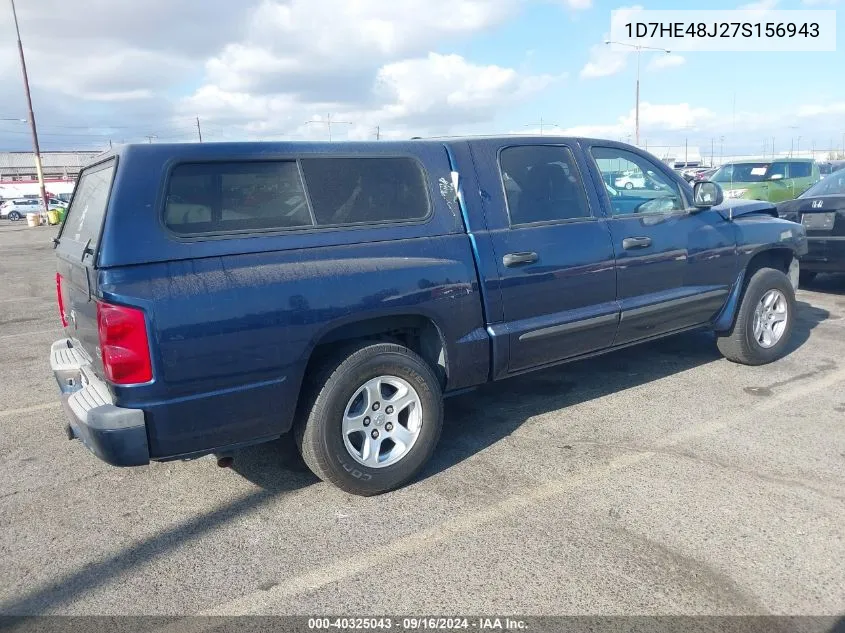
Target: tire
740 345
14 216
629 185
806 277
339 387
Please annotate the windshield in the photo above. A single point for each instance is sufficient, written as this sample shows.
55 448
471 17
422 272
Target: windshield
832 185
743 172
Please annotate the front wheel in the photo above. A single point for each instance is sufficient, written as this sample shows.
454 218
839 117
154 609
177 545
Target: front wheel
764 322
14 216
371 419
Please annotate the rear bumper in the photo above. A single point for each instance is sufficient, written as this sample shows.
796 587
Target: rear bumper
825 254
116 435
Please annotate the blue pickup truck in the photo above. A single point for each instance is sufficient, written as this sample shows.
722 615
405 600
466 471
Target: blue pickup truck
220 295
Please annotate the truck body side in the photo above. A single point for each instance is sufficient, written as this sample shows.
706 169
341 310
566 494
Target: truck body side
236 322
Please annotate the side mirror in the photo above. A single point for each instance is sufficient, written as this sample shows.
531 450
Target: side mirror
776 177
707 194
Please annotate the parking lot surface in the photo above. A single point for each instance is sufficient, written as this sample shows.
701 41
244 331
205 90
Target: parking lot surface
658 480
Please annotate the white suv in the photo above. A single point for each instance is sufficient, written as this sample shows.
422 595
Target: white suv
19 207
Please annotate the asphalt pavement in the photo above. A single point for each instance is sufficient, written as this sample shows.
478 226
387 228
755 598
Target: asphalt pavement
657 480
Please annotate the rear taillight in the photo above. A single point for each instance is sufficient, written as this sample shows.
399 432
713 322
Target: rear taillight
124 346
61 300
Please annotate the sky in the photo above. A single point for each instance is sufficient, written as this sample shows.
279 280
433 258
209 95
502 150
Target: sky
127 70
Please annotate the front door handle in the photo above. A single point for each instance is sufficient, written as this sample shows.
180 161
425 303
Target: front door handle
636 242
515 259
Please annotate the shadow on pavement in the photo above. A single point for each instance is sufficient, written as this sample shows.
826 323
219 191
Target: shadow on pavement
833 284
479 419
473 422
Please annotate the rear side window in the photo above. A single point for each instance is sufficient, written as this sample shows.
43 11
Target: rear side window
365 190
800 170
85 216
233 197
542 184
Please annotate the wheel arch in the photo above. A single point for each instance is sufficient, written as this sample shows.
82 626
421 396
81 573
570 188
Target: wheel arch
777 257
416 331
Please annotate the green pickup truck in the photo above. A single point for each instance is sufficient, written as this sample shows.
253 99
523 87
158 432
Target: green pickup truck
773 180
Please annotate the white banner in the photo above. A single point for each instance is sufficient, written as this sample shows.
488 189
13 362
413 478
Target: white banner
739 30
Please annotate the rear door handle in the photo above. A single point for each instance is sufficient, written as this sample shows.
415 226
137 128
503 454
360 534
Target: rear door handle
515 259
636 242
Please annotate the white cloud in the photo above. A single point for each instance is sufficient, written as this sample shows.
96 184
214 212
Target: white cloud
604 62
257 68
814 110
655 120
578 5
816 3
437 91
661 62
305 44
759 5
365 61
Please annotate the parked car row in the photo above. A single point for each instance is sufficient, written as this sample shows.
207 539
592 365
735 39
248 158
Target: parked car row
18 208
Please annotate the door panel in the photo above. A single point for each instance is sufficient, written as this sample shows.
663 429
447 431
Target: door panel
675 266
553 252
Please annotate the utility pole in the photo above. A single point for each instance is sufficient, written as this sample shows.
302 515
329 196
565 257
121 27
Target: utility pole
639 49
199 129
150 138
328 122
543 125
798 147
35 146
773 148
378 132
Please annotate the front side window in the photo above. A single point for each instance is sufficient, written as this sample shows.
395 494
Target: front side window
634 184
232 197
800 170
542 184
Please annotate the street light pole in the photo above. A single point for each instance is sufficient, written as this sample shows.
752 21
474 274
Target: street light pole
35 146
638 48
637 106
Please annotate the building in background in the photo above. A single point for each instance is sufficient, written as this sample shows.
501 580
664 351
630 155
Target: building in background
60 166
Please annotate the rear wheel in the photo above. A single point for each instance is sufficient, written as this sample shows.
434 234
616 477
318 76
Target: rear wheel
14 216
371 419
806 277
764 322
629 185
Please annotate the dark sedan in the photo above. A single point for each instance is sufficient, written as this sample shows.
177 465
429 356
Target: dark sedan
821 209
